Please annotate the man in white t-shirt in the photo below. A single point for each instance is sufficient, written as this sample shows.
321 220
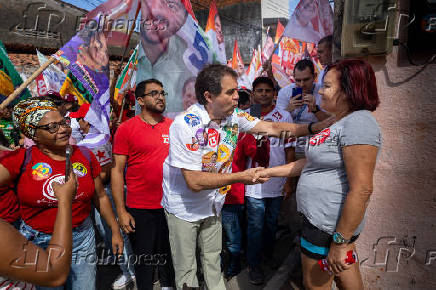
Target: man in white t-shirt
263 201
304 107
324 54
197 172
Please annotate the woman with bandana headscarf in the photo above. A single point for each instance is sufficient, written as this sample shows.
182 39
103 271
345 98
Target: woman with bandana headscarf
36 169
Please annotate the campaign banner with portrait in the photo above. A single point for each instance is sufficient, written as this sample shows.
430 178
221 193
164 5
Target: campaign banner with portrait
86 54
287 54
173 49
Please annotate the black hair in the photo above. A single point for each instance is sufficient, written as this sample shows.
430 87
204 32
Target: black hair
209 80
263 80
328 39
244 97
140 88
3 141
303 64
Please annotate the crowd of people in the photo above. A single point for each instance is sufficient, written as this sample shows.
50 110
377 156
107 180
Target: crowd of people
169 196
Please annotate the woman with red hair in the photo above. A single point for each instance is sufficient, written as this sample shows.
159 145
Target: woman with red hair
337 179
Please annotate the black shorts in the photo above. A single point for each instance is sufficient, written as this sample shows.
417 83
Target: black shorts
315 243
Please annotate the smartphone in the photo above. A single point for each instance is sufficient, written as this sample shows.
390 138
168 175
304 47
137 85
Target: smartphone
296 92
68 163
255 110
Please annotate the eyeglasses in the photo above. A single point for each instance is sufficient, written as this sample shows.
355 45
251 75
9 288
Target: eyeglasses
155 94
53 127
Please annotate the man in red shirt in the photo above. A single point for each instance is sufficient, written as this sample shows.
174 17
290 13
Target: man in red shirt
142 143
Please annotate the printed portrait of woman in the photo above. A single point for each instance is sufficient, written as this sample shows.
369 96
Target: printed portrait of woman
93 52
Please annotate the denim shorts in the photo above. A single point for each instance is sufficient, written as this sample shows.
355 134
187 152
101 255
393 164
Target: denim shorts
84 256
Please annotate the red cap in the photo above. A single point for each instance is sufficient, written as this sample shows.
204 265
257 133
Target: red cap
81 113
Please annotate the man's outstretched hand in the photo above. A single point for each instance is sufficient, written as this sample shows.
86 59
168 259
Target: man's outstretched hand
250 176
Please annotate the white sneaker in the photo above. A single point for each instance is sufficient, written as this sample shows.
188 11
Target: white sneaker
122 281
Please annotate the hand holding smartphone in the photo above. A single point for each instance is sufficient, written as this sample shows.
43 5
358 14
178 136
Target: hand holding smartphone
297 91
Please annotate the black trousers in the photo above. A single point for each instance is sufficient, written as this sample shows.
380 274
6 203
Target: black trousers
151 247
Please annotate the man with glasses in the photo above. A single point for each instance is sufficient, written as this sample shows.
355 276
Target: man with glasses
197 172
142 144
304 107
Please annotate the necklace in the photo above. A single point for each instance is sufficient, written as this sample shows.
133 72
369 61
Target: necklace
152 125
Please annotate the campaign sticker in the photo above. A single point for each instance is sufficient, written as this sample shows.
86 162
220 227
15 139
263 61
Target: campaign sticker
224 189
213 137
192 147
192 120
209 161
201 136
319 138
223 153
246 116
41 171
79 169
231 135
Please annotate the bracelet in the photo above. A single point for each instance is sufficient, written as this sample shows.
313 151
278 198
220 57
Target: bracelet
309 128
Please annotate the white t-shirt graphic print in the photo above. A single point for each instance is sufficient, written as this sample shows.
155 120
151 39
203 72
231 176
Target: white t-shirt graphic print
277 157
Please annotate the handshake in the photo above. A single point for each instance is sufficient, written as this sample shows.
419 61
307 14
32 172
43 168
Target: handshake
253 176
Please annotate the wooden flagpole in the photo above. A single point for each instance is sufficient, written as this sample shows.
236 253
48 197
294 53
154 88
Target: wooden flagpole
18 90
121 64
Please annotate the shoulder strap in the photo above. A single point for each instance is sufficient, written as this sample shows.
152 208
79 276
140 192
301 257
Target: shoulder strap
26 160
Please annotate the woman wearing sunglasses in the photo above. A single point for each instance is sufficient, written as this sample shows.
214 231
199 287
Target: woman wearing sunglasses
34 170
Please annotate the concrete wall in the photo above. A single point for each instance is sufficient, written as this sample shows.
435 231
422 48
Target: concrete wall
399 239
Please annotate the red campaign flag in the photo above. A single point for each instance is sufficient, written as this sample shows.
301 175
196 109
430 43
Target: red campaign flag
279 31
211 19
236 59
41 87
188 7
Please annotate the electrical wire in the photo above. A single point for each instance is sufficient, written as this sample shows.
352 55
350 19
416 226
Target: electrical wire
409 56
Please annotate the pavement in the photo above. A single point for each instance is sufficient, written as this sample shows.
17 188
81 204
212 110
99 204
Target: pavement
286 277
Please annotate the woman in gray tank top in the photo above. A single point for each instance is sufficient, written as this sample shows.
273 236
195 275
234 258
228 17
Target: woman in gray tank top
337 179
